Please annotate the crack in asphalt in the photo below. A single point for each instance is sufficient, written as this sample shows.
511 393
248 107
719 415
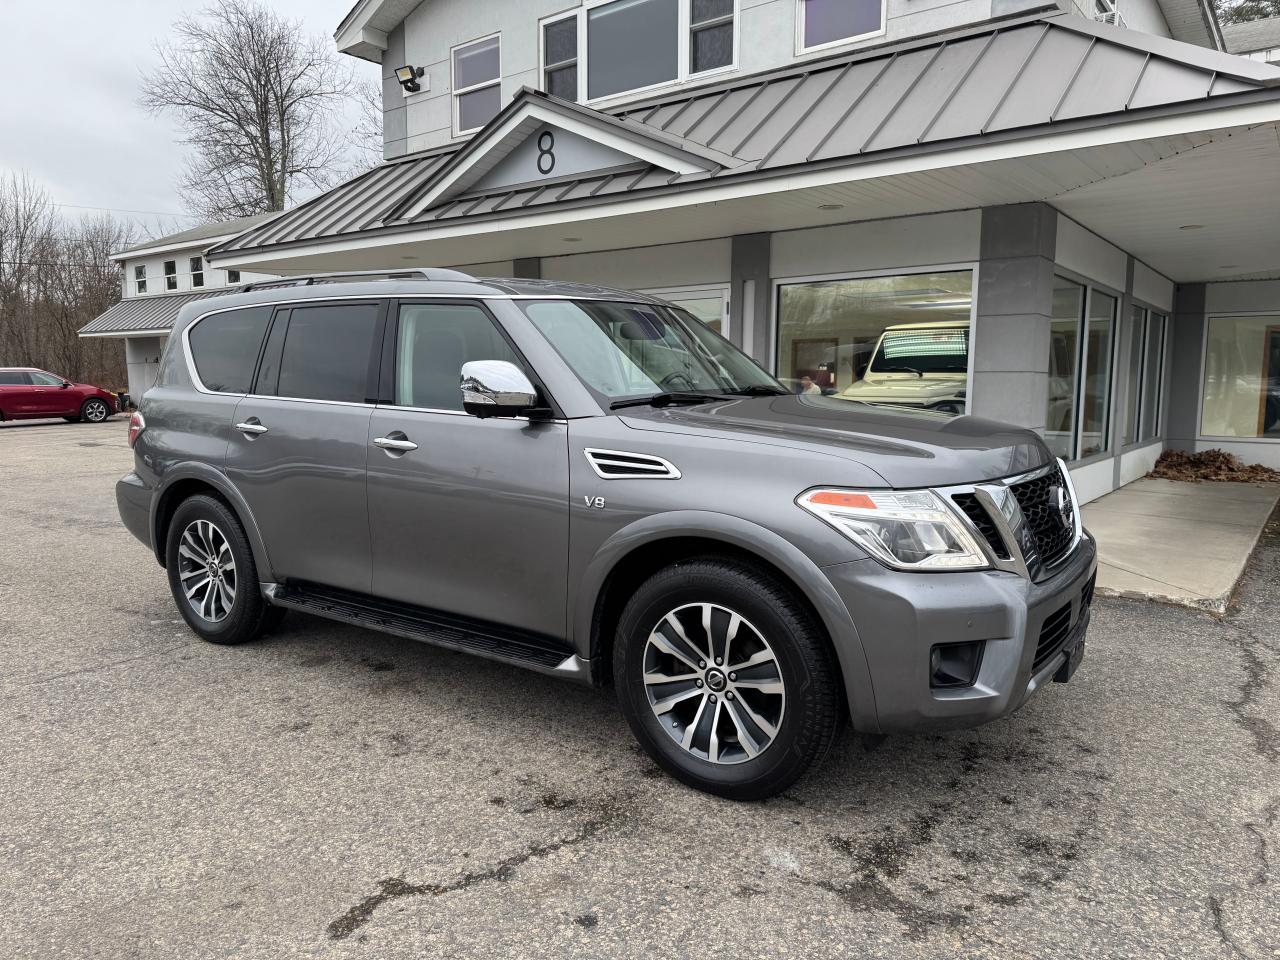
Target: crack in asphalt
109 665
395 888
1266 738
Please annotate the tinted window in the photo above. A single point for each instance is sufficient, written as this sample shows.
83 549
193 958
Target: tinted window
631 44
326 352
434 341
46 380
12 378
225 346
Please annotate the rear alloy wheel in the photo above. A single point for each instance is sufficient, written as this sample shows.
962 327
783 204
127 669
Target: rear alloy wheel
726 678
212 575
95 410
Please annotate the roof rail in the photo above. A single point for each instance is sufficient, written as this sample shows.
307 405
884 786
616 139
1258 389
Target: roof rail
412 273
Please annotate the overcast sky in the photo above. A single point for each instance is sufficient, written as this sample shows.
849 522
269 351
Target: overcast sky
69 115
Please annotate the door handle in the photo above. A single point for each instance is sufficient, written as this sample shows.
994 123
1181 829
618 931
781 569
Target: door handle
398 444
251 428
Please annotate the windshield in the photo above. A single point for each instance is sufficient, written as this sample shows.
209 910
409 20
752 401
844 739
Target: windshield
922 350
622 350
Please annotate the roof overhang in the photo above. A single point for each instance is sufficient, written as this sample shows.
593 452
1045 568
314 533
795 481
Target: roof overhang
1134 183
363 31
1193 21
202 244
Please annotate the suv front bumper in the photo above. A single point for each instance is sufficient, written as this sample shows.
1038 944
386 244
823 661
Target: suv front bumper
900 616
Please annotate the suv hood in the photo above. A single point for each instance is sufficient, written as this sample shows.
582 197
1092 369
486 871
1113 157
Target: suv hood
906 448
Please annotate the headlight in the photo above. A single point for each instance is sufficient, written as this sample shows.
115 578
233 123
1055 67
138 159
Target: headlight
912 530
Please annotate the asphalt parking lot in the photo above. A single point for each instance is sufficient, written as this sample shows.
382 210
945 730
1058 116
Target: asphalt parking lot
335 793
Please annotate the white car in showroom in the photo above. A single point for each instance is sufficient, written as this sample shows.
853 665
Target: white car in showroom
922 365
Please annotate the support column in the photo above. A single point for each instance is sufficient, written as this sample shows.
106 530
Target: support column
1013 314
1186 349
749 294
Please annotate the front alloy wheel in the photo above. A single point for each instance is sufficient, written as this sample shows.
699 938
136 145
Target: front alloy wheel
726 677
713 681
95 411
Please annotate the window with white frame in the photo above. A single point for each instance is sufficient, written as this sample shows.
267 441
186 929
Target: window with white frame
171 274
560 57
612 47
477 84
1081 349
197 271
140 278
711 35
233 276
827 23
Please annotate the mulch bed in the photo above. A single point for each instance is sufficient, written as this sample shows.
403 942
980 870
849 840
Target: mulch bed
1211 465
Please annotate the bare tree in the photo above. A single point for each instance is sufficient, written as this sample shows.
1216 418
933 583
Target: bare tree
366 137
56 276
1242 11
256 99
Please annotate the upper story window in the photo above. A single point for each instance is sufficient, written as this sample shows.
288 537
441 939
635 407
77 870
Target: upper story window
171 274
710 35
233 276
612 47
829 23
197 271
560 58
140 278
477 84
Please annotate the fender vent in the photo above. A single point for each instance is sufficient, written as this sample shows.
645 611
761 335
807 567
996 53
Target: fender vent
620 465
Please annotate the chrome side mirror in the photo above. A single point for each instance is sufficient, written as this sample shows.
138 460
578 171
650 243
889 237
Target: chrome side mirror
496 388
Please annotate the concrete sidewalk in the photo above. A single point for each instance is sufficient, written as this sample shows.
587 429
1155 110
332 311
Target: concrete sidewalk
1183 543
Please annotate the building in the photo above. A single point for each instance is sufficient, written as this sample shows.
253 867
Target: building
1092 192
157 278
1256 39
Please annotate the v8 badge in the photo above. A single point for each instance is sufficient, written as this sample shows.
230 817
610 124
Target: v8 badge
596 503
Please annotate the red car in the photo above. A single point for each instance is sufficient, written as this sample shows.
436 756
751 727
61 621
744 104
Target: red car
30 394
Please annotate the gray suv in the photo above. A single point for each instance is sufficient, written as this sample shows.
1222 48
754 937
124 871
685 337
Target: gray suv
592 484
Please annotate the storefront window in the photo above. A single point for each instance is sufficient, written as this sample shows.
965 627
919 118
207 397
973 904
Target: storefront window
1152 377
1064 360
709 304
1133 386
1242 378
1097 376
899 340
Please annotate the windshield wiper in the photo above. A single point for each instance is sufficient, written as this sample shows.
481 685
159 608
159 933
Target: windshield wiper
758 390
900 370
666 399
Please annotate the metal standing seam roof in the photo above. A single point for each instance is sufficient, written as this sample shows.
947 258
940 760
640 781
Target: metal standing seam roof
1014 78
155 313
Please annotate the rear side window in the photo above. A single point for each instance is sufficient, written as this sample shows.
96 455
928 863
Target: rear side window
13 378
434 341
225 348
326 352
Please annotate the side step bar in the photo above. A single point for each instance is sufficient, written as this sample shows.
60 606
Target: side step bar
492 641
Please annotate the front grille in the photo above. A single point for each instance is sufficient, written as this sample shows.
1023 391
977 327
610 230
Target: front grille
978 515
1086 595
1050 535
1053 634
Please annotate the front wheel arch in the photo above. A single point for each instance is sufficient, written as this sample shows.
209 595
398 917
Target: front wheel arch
634 553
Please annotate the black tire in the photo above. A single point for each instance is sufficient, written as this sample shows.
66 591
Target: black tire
95 410
802 658
249 615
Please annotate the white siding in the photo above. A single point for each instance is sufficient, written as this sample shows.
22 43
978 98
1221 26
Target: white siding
1089 255
944 238
669 265
213 279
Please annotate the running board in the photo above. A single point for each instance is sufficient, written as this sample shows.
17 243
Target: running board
464 634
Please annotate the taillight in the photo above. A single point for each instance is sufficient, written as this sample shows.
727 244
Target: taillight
136 426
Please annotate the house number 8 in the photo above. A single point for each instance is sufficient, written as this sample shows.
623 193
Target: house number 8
546 154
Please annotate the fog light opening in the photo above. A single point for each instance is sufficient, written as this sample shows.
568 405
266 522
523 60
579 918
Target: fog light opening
954 664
